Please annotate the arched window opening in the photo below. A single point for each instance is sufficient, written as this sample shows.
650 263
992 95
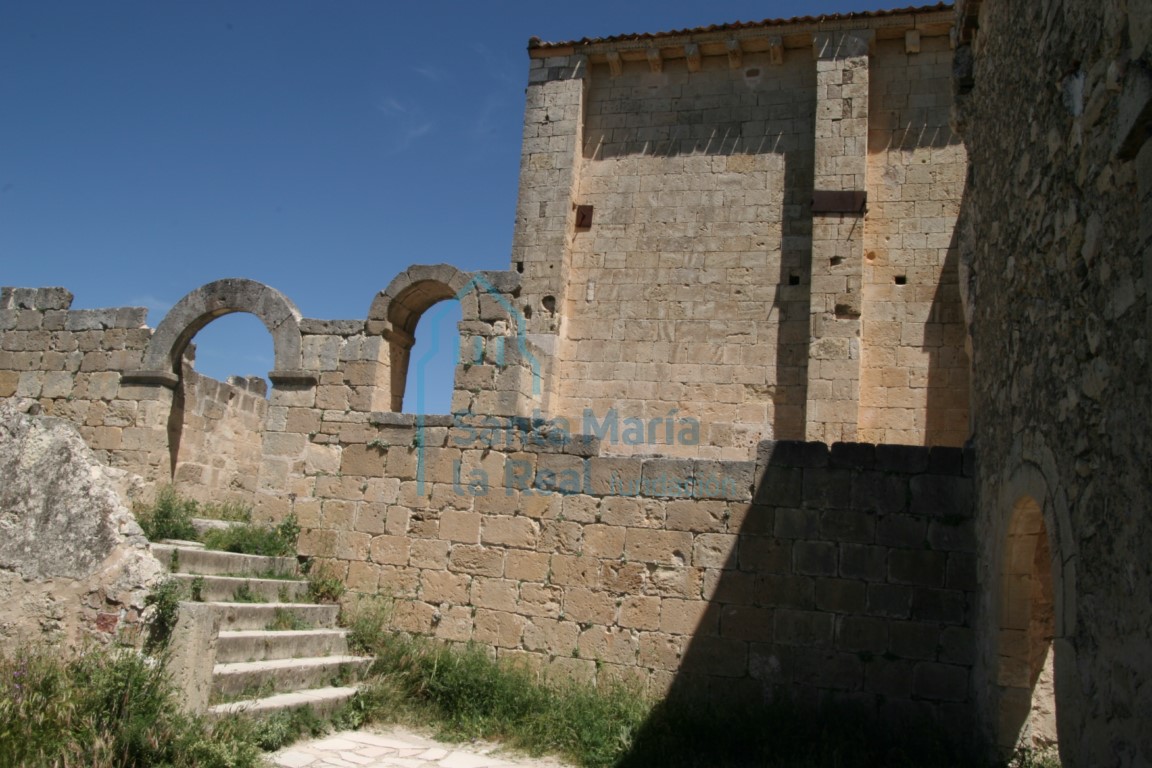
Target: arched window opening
432 360
1027 710
219 407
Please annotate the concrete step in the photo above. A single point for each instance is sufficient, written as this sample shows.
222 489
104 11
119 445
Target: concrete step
261 645
223 588
323 701
235 616
285 675
210 562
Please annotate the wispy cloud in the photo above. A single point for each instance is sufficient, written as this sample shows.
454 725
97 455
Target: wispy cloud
406 123
429 72
157 308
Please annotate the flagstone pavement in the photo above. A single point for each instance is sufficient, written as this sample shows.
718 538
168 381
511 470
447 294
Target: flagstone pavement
395 747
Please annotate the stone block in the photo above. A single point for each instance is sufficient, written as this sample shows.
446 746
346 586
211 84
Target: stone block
661 547
746 622
786 591
913 640
814 558
780 486
569 570
841 595
716 656
942 496
940 682
902 531
497 594
689 617
585 605
640 612
508 531
715 550
551 636
390 550
848 526
475 560
852 456
862 634
604 541
697 516
459 526
527 566
797 523
906 459
787 453
943 605
498 628
540 600
660 651
918 567
803 628
891 600
444 587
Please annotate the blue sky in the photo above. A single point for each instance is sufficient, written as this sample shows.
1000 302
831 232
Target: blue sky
147 148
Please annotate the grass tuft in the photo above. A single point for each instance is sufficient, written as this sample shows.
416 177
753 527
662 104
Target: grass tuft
106 708
252 539
169 516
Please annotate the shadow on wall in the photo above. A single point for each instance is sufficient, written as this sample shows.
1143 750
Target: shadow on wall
837 624
946 411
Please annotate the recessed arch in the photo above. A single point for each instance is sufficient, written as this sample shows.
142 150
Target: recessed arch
1025 663
161 363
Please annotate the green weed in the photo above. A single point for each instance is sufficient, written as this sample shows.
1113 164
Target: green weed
169 516
284 621
108 709
324 586
252 539
164 601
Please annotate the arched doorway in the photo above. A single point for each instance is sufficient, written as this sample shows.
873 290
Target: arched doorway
1027 626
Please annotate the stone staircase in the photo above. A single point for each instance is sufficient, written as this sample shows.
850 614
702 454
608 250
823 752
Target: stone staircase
262 657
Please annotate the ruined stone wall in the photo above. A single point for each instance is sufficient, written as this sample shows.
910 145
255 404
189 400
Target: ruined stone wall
221 438
848 572
71 362
685 244
1055 100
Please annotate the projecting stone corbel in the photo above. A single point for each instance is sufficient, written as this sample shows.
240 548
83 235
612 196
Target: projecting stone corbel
692 55
735 54
615 64
776 50
655 60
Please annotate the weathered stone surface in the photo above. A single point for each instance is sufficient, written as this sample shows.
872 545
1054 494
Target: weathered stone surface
69 548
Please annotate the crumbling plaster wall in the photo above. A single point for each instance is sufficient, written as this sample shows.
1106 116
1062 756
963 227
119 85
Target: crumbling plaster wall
1054 100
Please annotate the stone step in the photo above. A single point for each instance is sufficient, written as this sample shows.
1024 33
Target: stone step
236 616
261 645
210 562
324 703
285 675
205 524
223 588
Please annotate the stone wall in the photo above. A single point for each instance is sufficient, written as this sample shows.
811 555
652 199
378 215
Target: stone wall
848 572
1055 100
220 443
685 245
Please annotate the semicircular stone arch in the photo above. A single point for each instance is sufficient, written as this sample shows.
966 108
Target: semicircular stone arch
396 311
161 364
